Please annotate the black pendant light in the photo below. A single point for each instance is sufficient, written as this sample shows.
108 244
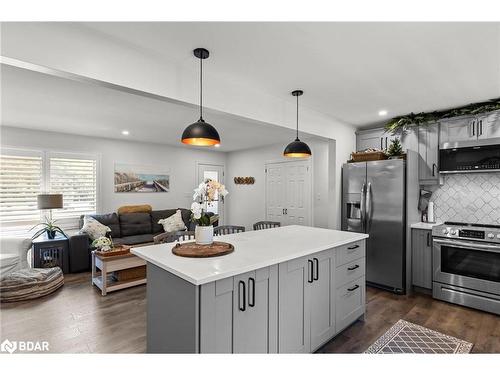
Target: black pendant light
201 133
297 149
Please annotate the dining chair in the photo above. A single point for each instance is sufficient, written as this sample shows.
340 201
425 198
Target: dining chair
266 224
228 229
167 237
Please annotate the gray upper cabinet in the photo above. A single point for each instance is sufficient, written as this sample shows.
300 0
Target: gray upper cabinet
491 125
469 128
421 251
428 150
457 129
306 302
374 138
239 314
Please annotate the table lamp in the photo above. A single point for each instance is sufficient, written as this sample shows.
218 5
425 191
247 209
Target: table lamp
49 202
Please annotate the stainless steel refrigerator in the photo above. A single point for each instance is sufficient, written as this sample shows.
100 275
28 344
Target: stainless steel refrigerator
373 202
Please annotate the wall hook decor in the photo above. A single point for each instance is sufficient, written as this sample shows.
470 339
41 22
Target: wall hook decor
244 180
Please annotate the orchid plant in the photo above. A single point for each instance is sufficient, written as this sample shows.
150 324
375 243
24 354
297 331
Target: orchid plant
206 192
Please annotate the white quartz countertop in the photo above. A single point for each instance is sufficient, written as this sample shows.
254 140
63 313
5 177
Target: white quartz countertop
422 225
252 250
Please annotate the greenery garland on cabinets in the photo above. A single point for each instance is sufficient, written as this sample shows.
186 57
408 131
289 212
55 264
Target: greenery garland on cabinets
402 123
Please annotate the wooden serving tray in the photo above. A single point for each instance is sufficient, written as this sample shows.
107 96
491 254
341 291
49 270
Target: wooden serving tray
117 250
193 250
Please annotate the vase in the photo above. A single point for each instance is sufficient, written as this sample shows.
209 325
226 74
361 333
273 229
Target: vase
51 234
204 235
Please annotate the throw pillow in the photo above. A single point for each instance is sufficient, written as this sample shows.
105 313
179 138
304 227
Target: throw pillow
93 228
173 223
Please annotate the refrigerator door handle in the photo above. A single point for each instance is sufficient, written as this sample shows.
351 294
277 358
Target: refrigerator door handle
368 206
363 207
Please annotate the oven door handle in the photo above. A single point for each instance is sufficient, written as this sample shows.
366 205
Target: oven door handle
468 245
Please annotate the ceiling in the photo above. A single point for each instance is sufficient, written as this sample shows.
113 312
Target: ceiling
39 101
350 71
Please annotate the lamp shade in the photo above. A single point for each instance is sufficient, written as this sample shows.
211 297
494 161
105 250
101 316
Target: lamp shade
49 201
200 133
297 149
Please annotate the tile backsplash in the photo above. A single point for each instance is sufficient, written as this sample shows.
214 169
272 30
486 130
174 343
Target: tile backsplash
469 198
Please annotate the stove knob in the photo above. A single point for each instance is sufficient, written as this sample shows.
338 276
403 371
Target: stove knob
454 232
491 235
445 231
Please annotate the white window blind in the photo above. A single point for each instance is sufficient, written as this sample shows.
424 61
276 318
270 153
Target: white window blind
76 179
20 183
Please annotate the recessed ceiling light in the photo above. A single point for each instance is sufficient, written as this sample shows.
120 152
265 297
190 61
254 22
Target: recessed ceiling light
217 145
125 132
382 112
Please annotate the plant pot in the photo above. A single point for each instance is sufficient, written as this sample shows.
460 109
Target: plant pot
51 234
204 235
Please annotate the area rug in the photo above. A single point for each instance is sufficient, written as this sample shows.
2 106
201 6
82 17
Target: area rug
408 338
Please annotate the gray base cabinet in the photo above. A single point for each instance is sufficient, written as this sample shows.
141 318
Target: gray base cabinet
421 254
239 314
291 307
350 291
318 299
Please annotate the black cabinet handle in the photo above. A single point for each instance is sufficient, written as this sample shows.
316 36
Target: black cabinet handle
353 247
353 267
434 168
353 288
244 307
386 143
309 271
251 284
428 239
316 263
381 143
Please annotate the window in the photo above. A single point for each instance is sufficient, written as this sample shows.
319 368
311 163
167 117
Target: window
20 183
76 180
25 174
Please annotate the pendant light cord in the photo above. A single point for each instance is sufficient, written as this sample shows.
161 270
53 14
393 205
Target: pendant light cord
297 138
201 89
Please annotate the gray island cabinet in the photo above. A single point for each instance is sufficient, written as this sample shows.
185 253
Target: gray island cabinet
283 290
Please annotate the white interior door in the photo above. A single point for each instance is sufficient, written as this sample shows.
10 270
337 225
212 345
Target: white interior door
275 197
288 187
216 173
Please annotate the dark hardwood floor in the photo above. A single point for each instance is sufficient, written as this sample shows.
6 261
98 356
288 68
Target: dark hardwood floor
76 319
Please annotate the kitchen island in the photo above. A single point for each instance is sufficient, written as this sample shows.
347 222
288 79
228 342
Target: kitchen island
282 290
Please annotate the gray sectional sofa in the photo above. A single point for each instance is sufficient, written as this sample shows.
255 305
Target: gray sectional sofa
126 229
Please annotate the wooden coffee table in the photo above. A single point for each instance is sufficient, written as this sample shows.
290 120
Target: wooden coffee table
103 265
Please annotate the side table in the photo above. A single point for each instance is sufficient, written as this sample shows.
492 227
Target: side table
46 252
110 264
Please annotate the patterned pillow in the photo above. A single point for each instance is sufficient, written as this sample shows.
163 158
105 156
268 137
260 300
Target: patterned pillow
93 228
173 223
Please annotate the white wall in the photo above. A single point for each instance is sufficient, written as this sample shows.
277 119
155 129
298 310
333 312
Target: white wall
72 48
246 203
181 161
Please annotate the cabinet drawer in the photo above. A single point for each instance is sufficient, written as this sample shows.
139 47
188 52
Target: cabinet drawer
349 272
350 303
350 252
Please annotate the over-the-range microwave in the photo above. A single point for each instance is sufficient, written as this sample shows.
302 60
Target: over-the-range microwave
470 159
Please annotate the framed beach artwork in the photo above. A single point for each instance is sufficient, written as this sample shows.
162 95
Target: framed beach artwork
141 179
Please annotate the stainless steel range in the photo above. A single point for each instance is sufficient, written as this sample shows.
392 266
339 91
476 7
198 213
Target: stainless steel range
466 265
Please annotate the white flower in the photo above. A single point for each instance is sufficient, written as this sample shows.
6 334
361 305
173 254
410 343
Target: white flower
196 215
196 208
